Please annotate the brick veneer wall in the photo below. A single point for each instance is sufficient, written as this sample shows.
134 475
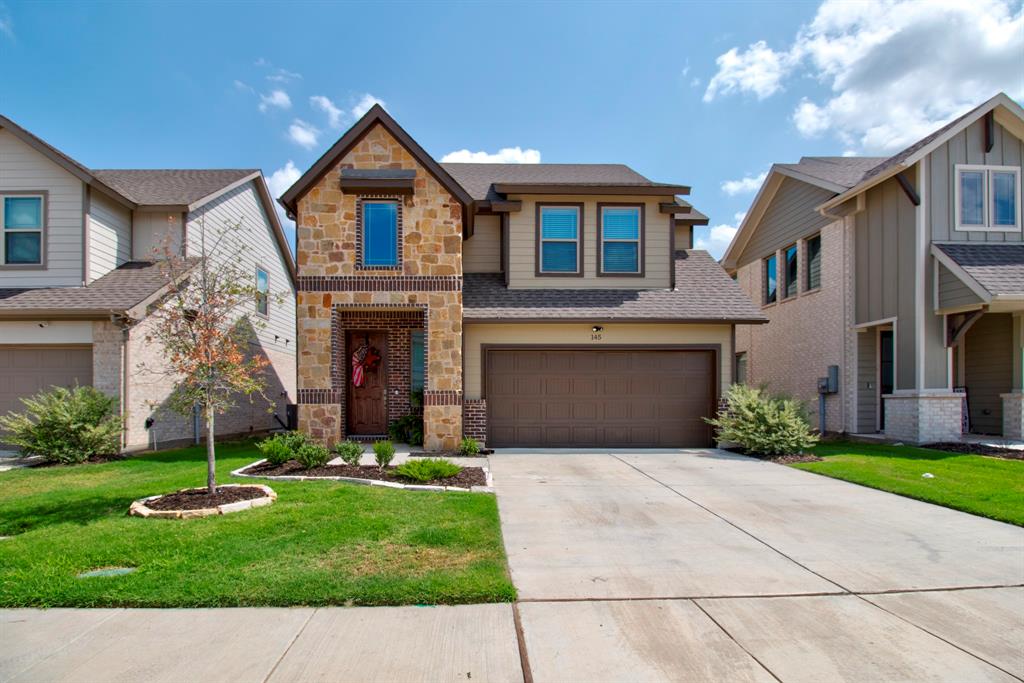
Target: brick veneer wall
474 419
1013 415
330 279
923 418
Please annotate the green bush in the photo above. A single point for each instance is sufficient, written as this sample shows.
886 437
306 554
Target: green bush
407 429
65 425
763 424
427 469
312 455
350 452
469 447
294 440
384 453
275 449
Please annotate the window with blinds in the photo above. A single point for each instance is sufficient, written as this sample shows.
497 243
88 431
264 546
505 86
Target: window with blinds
380 233
813 262
559 239
620 239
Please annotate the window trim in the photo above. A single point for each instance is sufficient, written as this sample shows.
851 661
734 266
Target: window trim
579 241
43 231
786 296
764 280
807 264
988 197
640 241
412 334
258 268
399 229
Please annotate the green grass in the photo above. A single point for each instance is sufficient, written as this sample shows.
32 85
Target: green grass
990 487
321 543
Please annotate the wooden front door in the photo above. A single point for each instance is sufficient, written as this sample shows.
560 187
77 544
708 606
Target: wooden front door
367 404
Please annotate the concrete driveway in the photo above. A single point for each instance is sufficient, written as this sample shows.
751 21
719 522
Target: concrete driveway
704 565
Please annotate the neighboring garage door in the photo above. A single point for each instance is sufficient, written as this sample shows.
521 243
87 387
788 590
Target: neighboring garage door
25 370
584 398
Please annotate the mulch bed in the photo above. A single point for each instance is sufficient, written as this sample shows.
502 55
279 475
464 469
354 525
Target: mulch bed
91 460
976 449
198 500
469 476
786 459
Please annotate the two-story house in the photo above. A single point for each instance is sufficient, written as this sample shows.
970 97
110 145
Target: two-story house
523 305
906 272
79 277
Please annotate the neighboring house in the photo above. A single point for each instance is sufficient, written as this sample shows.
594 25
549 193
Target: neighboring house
78 277
525 305
906 272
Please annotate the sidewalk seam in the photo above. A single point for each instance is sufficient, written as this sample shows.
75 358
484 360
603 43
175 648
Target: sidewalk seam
733 639
290 644
115 611
524 657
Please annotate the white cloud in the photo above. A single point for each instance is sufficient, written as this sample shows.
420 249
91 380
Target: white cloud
896 69
280 75
324 104
364 104
303 134
718 237
505 155
277 98
243 86
279 181
743 185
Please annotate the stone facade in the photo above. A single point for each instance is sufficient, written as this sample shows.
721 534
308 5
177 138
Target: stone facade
333 283
923 418
1013 415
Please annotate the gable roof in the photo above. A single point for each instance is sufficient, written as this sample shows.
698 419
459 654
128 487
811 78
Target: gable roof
832 173
485 182
997 267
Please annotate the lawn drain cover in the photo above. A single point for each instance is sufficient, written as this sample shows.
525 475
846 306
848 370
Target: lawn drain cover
106 571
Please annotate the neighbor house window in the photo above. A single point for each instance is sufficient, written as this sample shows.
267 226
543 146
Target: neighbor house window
792 279
987 198
559 240
813 262
418 349
262 292
22 219
741 367
621 228
380 243
770 280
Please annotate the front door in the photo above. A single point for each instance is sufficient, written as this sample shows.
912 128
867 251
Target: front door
886 378
367 385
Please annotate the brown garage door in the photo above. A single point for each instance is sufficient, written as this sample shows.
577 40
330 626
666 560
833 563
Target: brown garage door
621 398
25 370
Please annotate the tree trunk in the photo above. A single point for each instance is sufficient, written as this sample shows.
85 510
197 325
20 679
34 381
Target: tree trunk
211 473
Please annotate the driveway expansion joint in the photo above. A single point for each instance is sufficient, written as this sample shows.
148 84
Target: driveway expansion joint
288 648
733 639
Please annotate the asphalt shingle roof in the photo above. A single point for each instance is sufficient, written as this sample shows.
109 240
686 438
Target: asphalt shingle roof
477 179
172 187
843 171
999 268
704 292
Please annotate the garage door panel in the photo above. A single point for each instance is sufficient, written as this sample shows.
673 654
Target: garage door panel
29 370
558 386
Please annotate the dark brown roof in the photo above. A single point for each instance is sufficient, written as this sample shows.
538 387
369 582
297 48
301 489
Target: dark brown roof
842 171
999 268
704 293
478 179
171 187
116 292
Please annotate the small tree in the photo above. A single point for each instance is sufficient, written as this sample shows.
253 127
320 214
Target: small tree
203 328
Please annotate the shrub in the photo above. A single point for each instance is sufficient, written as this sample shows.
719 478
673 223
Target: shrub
469 447
350 452
763 424
427 469
407 429
384 453
275 449
294 440
312 455
65 425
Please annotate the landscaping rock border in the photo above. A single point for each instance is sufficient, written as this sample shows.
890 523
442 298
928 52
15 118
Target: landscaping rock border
489 488
139 508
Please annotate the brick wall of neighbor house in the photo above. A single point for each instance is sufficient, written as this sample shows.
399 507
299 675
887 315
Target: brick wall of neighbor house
806 333
474 418
927 418
329 280
1013 415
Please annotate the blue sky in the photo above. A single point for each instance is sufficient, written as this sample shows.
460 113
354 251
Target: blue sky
704 94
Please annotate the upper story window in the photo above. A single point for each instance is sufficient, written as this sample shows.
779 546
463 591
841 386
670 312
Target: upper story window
813 261
380 233
987 198
792 277
620 240
262 292
558 239
23 220
771 281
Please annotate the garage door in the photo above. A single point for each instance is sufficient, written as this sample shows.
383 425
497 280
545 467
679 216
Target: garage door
26 370
620 399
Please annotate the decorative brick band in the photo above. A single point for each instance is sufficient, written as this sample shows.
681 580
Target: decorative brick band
319 396
474 419
442 398
380 283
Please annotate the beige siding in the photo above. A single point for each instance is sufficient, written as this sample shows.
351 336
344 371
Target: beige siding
953 292
523 241
988 356
789 217
578 334
110 235
150 233
481 253
684 237
23 168
967 147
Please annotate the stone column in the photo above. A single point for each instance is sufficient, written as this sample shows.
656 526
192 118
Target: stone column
923 418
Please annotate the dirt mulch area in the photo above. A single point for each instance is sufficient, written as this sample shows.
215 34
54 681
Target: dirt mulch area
198 500
469 476
976 449
786 459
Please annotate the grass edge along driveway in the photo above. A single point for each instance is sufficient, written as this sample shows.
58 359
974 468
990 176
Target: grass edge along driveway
321 543
985 486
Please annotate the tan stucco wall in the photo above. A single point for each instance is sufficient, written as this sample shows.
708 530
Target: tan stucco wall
580 334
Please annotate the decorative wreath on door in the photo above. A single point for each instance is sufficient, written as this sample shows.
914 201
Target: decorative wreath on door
365 359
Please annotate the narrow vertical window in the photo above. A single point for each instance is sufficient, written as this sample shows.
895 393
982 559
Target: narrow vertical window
741 367
972 198
792 279
262 292
559 240
1004 198
417 355
620 239
770 280
22 222
380 233
814 262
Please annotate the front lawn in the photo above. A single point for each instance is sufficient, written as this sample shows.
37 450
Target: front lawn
321 543
985 486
